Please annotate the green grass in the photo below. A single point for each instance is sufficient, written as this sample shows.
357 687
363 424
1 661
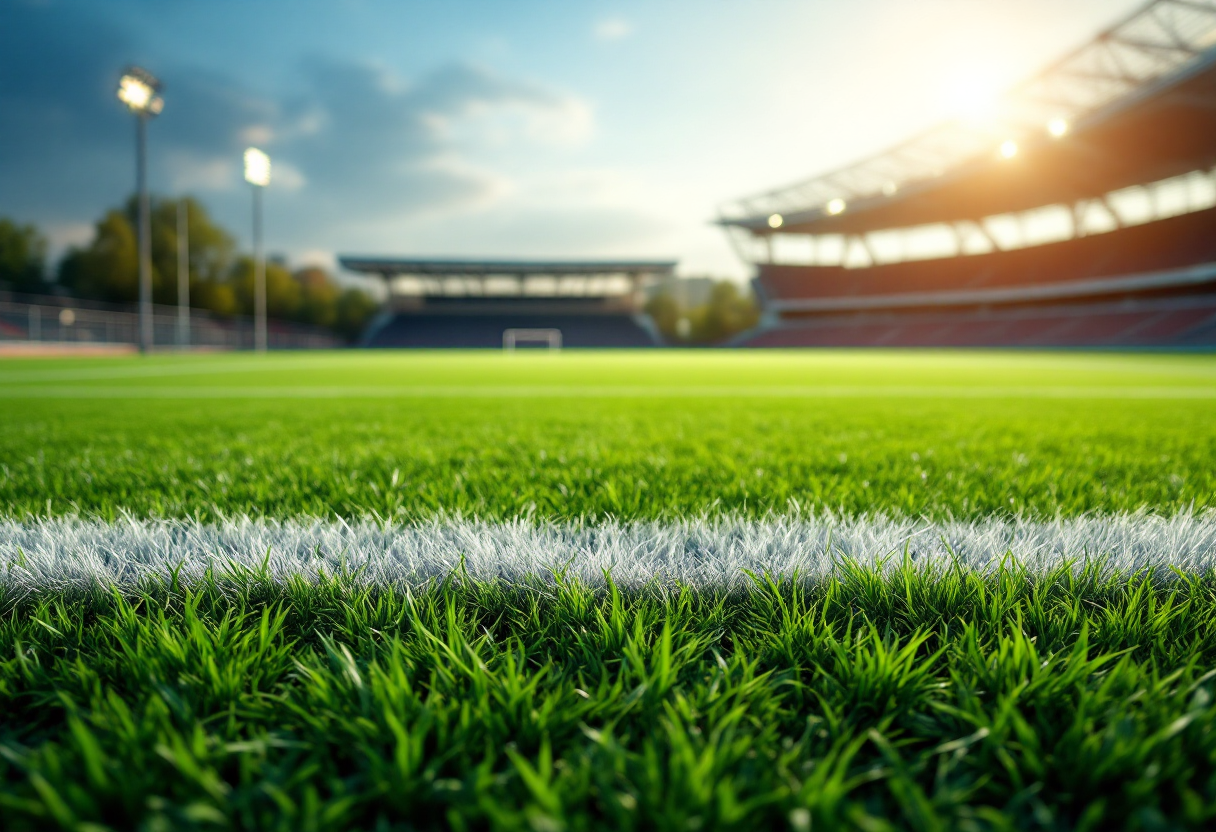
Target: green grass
911 701
642 435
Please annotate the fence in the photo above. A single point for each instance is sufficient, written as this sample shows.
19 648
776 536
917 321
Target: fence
67 320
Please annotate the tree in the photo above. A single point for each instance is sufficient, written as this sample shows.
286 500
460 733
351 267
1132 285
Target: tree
214 296
664 310
353 310
727 312
211 248
318 296
22 258
108 268
283 293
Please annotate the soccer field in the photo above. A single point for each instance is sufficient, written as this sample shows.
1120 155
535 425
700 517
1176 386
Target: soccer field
657 590
594 435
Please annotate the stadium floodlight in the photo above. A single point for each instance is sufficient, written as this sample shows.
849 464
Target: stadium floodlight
140 91
775 220
1057 127
257 167
1009 149
257 174
836 206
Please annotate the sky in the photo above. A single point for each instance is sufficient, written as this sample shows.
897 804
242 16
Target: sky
483 128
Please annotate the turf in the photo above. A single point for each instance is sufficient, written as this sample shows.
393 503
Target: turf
919 700
184 645
592 435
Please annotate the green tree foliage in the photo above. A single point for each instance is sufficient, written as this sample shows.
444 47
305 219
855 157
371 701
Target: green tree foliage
283 294
108 268
215 296
221 282
665 311
22 258
318 296
211 248
727 312
353 309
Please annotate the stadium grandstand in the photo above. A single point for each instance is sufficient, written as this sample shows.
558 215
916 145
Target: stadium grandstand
1080 211
504 303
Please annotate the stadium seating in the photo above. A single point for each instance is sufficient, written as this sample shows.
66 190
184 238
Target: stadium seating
480 330
1172 243
1162 323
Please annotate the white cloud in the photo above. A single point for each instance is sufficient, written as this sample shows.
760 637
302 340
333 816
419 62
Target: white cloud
189 171
613 28
286 176
567 121
322 258
494 187
257 134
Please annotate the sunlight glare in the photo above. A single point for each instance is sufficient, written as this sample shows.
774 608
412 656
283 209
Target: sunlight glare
971 94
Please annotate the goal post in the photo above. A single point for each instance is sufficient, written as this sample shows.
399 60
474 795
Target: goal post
511 337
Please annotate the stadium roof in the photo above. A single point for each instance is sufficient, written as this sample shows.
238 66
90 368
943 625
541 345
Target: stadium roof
431 267
1137 104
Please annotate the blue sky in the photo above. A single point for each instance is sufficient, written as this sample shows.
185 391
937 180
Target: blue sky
478 128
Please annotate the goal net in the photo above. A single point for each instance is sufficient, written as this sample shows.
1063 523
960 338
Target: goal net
511 337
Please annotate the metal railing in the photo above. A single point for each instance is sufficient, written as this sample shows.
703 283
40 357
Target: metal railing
70 321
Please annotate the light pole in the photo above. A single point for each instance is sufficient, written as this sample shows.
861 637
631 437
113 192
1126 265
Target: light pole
138 89
183 274
257 174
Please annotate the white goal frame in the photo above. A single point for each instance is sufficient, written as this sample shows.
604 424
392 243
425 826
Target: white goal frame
510 337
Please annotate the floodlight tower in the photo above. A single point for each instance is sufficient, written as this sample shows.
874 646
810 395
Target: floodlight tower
139 89
183 274
257 174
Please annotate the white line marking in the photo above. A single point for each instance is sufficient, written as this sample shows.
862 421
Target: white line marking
63 553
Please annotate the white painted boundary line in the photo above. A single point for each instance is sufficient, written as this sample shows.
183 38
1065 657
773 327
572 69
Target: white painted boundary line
42 554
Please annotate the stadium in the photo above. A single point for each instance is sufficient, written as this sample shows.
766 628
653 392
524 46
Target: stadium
495 303
1080 211
261 581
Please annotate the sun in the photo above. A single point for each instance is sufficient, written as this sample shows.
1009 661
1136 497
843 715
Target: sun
971 93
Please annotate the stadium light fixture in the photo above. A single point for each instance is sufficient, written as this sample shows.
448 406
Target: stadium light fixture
1057 127
775 220
1009 149
257 174
257 167
140 91
836 206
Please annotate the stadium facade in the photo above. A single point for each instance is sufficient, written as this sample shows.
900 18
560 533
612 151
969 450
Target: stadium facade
502 303
1080 211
